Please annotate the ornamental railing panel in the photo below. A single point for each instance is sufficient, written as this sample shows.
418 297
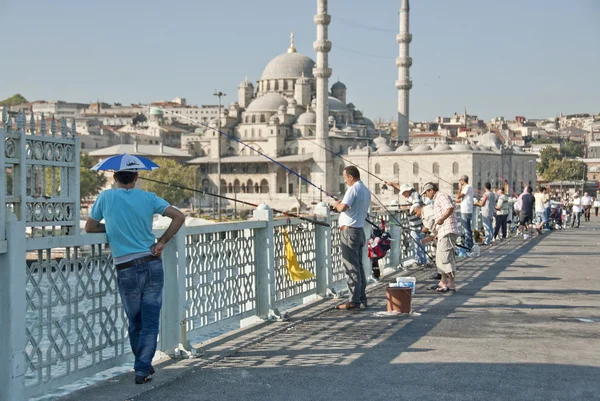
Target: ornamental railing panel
339 274
75 323
302 237
40 179
220 275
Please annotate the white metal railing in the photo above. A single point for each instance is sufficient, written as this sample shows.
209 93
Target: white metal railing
69 322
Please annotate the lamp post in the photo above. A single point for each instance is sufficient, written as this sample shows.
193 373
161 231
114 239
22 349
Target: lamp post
219 94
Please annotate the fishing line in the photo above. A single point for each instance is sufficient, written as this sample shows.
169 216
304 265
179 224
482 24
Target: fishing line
287 214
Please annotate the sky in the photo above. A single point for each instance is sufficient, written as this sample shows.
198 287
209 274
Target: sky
534 58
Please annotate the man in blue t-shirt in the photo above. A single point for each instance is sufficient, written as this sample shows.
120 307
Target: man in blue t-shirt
128 213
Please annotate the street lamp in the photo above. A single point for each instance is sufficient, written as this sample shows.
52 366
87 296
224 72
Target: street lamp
219 94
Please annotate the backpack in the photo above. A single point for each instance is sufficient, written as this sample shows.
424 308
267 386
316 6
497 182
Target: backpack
379 243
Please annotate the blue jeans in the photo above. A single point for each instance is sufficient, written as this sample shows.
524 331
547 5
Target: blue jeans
465 219
487 225
419 251
141 287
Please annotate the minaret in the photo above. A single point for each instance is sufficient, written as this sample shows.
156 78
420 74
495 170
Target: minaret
404 83
323 176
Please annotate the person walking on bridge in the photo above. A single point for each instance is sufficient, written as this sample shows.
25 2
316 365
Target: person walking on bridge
353 209
128 213
586 204
576 210
502 208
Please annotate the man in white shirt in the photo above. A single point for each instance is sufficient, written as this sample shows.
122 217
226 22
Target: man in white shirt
465 197
353 213
576 210
586 203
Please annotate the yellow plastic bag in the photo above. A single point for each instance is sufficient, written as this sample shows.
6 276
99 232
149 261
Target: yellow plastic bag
296 272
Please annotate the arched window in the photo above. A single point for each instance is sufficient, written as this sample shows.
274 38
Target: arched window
396 169
436 169
243 188
416 168
249 186
256 188
223 186
205 184
285 85
262 118
276 85
268 85
230 188
455 168
253 119
236 186
377 169
264 187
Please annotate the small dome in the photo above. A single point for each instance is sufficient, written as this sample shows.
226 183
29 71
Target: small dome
461 147
490 140
442 147
155 111
379 141
404 148
308 118
273 120
338 85
269 102
246 84
423 148
336 105
289 65
384 149
349 130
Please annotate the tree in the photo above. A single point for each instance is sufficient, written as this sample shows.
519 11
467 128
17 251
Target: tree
90 182
565 170
13 100
171 172
573 149
547 155
542 141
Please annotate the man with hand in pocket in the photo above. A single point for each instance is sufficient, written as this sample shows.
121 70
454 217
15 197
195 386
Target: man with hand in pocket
128 213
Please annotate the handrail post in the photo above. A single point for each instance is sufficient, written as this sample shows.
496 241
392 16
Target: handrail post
264 250
323 253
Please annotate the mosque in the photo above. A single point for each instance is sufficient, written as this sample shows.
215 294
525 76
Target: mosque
293 116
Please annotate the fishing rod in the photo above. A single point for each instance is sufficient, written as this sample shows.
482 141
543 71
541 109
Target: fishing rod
287 214
245 145
231 137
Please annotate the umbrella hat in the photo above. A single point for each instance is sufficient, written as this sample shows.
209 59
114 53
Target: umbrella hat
125 162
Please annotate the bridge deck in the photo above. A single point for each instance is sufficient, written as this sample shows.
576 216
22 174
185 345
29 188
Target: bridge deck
511 332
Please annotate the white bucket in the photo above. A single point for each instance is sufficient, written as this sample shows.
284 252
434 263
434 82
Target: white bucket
408 282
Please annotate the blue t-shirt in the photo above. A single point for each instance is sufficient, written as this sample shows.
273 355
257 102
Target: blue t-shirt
128 215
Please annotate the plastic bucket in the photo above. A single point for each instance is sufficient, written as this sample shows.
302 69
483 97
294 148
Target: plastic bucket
406 282
398 299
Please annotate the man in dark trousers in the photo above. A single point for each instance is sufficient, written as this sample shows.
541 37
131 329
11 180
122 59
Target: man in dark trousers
527 208
128 213
353 209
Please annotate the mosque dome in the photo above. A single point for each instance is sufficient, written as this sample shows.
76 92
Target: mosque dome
338 85
289 65
403 148
349 130
490 140
384 149
423 148
308 118
334 104
379 142
270 102
461 147
442 147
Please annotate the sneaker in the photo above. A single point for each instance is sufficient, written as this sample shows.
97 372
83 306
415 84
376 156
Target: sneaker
142 379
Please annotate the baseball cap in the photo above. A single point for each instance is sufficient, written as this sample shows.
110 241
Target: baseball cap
464 178
405 187
426 187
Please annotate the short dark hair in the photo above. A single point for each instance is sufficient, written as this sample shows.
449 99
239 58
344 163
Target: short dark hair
528 189
125 177
542 188
352 172
488 185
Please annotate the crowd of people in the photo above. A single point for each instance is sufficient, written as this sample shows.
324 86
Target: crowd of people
432 217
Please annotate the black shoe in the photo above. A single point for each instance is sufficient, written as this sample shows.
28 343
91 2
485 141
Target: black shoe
151 371
142 379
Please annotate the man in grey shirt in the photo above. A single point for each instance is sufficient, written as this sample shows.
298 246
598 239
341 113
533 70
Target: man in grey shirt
353 209
488 207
